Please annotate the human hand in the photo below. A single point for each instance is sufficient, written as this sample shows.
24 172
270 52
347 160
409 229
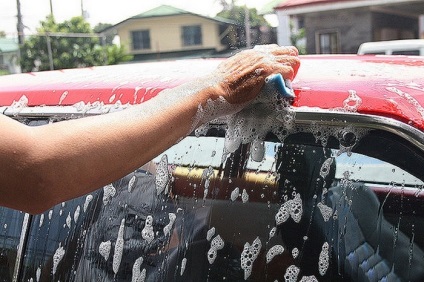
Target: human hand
241 77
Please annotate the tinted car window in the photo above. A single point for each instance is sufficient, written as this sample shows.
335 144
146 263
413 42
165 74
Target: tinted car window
407 52
301 210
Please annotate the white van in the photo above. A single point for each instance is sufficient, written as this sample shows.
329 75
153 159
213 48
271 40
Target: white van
410 47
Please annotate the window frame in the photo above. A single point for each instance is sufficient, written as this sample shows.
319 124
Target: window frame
334 47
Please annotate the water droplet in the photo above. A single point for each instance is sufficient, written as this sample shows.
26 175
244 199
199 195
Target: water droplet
234 194
183 266
244 196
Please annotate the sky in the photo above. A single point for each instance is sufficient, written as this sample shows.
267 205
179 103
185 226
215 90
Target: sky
105 11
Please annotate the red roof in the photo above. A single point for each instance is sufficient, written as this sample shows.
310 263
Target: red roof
297 3
390 86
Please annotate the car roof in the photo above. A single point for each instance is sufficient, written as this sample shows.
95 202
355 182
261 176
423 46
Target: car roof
389 86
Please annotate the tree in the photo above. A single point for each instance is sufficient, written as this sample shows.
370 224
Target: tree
295 37
101 27
237 14
73 44
257 24
2 34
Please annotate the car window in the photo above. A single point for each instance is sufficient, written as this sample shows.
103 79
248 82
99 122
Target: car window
289 209
407 52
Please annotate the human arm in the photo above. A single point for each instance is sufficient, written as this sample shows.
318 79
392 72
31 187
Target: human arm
43 166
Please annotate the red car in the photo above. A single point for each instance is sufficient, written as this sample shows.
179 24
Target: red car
333 192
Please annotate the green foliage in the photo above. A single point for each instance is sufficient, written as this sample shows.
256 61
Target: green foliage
237 14
67 52
2 34
295 37
117 54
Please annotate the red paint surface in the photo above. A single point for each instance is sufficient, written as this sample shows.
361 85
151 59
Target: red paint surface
387 86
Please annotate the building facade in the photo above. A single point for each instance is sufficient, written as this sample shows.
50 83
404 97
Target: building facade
334 26
168 32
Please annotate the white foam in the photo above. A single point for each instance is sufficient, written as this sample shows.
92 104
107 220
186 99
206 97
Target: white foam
68 220
295 252
108 192
352 103
325 210
291 273
323 261
167 229
244 196
131 183
282 214
274 251
311 278
63 96
138 275
210 233
147 233
77 213
57 257
272 232
119 248
235 194
216 244
325 168
162 174
104 249
17 106
88 199
249 255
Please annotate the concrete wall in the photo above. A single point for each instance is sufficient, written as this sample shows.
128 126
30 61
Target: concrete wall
354 27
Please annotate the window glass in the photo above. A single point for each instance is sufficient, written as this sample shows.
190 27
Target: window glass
407 52
11 227
287 210
140 39
192 35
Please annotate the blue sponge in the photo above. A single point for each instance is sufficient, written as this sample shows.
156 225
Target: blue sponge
282 87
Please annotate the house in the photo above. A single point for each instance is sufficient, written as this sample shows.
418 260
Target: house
169 32
340 26
9 56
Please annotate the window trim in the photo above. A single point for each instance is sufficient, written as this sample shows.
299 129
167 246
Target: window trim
303 116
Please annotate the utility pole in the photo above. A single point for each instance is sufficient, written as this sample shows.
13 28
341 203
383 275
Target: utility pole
247 27
51 8
20 25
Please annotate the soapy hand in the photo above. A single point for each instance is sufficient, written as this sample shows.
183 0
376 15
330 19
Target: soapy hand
242 76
